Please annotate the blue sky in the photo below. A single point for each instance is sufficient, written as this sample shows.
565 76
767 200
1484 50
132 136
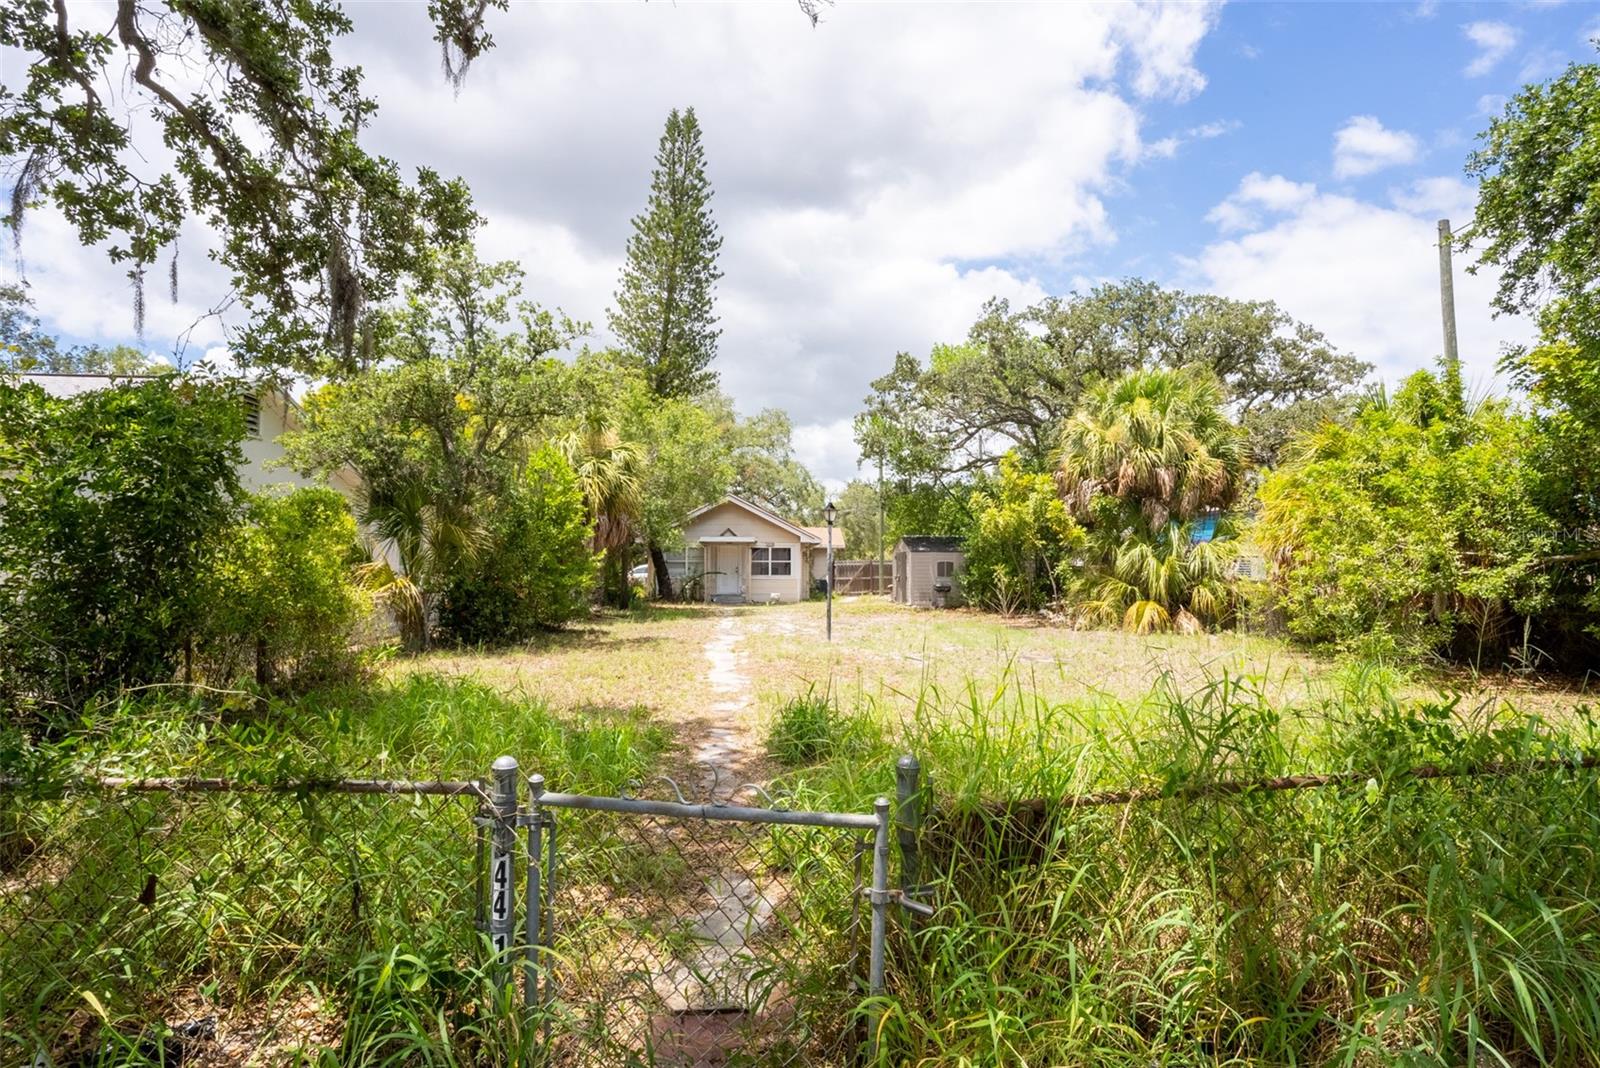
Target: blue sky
878 177
1291 74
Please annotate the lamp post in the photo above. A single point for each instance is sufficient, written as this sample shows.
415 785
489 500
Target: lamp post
830 513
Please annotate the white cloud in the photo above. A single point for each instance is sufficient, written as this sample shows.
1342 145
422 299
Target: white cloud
1256 193
1167 147
830 448
1491 105
1163 39
1444 197
78 293
1494 40
1364 145
872 176
1366 275
1541 64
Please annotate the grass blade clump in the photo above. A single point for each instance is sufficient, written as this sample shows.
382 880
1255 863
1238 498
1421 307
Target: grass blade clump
290 923
1387 919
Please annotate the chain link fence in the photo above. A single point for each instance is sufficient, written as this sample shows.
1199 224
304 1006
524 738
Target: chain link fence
694 941
206 922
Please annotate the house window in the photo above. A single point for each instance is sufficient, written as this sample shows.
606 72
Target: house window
770 561
945 569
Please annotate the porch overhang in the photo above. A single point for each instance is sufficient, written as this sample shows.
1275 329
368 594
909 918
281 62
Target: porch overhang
726 539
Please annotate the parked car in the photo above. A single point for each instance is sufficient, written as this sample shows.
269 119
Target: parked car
639 575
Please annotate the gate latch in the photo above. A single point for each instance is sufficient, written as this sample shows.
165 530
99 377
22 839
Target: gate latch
899 897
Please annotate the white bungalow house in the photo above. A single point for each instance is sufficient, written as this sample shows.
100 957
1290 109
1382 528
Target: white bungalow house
748 554
269 412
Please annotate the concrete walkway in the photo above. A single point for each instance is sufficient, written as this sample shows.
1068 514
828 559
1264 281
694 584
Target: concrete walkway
726 743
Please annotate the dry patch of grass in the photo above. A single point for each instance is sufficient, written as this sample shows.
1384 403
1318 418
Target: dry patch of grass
654 660
894 654
651 660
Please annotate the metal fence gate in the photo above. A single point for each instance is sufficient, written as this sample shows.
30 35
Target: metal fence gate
669 932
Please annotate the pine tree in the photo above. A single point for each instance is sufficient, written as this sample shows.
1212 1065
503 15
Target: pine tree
665 318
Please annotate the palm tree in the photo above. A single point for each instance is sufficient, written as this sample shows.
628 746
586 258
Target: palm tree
429 536
1158 582
1142 459
611 475
1158 438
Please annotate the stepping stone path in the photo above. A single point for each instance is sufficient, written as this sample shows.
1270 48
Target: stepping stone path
705 992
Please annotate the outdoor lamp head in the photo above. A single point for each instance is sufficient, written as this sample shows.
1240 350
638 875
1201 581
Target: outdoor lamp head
830 513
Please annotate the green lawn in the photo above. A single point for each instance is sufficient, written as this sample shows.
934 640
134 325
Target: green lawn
655 661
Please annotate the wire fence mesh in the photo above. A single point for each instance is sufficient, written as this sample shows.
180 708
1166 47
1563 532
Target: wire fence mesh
221 925
694 942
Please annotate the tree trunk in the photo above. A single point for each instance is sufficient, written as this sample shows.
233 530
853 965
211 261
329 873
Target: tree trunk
658 562
263 674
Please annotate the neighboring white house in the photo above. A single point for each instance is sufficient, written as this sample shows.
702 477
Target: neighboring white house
927 570
268 413
749 554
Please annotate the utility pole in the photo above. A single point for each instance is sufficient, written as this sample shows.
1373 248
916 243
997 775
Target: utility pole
878 586
830 513
1447 311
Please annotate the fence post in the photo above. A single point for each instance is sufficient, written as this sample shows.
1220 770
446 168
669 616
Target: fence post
880 909
531 942
502 880
549 911
908 822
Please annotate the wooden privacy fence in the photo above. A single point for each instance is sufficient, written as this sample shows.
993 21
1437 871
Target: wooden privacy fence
863 576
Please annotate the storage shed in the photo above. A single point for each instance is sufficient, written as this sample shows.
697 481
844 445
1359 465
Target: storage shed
927 570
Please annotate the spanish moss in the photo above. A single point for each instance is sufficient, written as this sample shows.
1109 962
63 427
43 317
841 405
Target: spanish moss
461 35
22 192
136 279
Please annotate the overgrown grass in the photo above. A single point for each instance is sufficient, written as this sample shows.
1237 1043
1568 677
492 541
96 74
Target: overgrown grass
1393 921
313 927
810 727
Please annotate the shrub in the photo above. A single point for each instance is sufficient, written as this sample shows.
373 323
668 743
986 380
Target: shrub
112 506
282 590
1414 530
538 569
1158 580
1021 542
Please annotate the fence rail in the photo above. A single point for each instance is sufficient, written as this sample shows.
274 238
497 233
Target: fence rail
190 785
1274 784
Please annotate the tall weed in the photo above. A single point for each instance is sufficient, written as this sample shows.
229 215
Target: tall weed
1388 920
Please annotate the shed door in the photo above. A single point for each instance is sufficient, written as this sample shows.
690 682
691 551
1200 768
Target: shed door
900 560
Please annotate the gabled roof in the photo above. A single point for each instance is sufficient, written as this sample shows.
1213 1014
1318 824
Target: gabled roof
821 534
805 536
931 543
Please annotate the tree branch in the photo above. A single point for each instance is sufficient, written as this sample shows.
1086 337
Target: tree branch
64 57
130 36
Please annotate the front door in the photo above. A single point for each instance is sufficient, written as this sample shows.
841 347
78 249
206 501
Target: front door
730 570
